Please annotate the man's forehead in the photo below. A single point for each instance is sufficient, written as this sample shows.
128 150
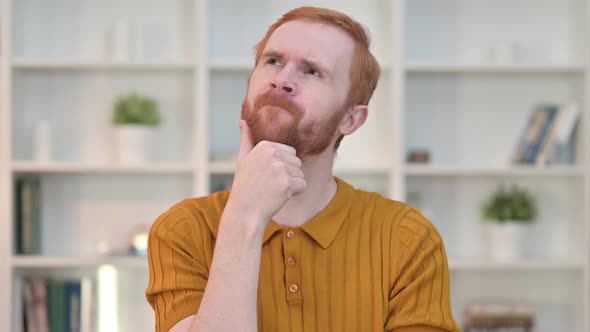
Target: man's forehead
314 41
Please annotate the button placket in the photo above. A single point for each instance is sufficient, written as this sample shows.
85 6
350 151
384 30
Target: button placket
292 268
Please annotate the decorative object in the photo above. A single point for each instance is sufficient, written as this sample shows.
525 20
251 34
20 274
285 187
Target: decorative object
139 240
418 156
502 54
42 141
121 40
508 214
134 118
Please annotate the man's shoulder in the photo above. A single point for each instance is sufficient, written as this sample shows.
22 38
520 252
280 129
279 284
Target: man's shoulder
378 205
202 213
381 209
212 204
395 221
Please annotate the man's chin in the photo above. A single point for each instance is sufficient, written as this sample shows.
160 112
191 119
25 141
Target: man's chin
271 138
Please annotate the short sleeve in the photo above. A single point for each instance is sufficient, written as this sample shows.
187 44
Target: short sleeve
178 272
419 299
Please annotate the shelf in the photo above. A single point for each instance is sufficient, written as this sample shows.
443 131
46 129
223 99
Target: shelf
444 170
222 167
41 262
77 64
475 266
417 67
75 167
228 167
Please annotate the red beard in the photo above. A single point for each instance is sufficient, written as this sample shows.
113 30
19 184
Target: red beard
269 125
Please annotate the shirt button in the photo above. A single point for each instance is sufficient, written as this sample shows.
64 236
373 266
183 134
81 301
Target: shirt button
290 234
291 261
293 288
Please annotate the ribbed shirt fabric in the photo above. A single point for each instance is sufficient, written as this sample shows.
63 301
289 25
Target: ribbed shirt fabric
364 263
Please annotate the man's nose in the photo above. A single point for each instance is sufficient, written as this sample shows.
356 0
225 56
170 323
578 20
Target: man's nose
283 80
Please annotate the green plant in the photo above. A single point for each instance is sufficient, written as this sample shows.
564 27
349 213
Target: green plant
136 109
515 204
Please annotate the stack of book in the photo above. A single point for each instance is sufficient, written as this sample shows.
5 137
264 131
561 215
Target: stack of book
548 135
57 305
489 317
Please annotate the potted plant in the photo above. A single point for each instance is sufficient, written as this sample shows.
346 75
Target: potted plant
508 214
134 118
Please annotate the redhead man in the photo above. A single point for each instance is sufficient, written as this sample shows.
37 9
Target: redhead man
292 247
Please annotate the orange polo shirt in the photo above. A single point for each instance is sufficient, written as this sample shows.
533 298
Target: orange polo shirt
364 263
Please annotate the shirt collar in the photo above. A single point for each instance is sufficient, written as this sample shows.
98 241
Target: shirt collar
324 226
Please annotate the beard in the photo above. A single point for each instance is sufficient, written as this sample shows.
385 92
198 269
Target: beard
268 124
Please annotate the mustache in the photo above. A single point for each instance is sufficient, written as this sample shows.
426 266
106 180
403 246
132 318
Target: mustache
270 98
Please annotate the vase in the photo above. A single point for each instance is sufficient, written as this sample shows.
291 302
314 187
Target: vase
132 143
506 240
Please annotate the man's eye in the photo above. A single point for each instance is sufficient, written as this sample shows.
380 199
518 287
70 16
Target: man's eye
313 72
273 61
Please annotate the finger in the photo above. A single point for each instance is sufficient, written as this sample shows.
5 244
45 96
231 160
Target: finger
289 158
245 140
282 147
297 186
295 172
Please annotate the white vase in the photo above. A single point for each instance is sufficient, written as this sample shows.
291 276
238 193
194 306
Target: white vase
132 143
506 240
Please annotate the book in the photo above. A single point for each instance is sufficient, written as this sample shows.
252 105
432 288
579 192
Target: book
540 135
561 148
56 290
70 305
28 215
86 305
542 157
73 304
499 317
529 133
35 305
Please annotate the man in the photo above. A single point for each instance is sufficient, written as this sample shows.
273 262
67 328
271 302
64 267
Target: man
291 247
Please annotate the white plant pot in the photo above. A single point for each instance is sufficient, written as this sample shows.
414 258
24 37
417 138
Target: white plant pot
506 240
132 143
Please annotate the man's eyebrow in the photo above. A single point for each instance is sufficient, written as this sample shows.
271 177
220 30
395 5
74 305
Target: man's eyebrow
306 62
312 64
272 54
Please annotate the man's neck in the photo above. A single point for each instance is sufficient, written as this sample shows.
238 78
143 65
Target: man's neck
321 188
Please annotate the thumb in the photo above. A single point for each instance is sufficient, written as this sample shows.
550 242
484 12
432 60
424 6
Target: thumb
245 140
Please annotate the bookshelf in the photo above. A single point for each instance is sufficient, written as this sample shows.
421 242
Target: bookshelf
439 91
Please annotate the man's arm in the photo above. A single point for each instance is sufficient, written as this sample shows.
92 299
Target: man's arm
266 177
229 301
419 299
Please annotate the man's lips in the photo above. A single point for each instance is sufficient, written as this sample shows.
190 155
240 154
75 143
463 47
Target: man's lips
277 108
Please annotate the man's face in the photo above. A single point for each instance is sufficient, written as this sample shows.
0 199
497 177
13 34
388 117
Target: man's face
297 92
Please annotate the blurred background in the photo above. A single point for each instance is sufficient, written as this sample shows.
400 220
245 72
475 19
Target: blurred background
112 111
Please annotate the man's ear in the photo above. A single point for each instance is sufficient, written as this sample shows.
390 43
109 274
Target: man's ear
354 119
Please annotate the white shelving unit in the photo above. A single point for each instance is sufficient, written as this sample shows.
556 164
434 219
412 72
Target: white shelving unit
74 64
438 92
425 67
88 168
